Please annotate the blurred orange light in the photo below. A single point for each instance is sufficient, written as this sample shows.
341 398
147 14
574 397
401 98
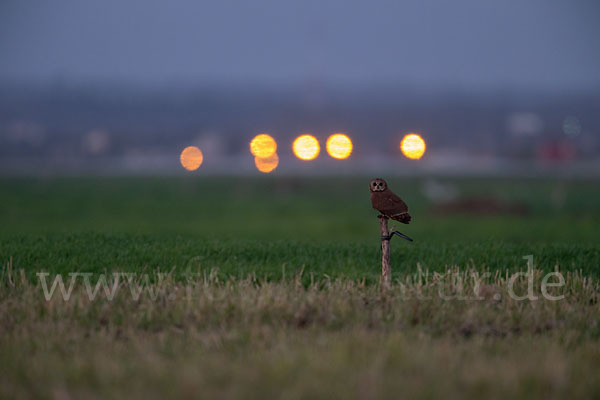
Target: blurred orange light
413 146
339 146
266 164
263 146
306 147
191 158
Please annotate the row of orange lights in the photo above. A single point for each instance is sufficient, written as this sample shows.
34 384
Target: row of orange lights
306 147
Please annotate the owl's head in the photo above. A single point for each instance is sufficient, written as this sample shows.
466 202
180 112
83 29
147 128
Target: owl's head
377 185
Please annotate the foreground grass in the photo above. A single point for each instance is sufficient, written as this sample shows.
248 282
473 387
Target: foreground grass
249 338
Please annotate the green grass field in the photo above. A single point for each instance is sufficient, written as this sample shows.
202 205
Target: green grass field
258 225
286 302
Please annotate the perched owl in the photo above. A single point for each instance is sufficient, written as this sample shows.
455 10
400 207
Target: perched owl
387 203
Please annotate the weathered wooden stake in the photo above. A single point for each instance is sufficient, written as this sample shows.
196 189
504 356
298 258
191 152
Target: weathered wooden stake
386 268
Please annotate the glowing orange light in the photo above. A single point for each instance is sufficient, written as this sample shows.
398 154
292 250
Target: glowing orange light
306 147
339 146
266 164
191 158
413 146
263 146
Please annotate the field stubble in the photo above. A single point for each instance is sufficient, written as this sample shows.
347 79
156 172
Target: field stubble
250 338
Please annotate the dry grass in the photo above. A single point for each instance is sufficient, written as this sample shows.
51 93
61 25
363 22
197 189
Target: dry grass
204 337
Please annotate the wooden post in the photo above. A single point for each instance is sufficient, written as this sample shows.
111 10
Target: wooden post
386 269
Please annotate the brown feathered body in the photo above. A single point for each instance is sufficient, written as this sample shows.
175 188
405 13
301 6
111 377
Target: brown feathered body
387 202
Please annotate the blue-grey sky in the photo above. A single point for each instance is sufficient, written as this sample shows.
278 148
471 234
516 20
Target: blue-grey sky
470 43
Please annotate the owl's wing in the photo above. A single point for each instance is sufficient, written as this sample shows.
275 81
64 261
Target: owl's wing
393 204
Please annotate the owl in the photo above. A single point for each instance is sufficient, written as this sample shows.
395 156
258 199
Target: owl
387 203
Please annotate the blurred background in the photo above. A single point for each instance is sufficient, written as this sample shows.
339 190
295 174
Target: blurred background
507 87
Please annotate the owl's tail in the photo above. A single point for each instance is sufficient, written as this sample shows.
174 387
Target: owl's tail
402 217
